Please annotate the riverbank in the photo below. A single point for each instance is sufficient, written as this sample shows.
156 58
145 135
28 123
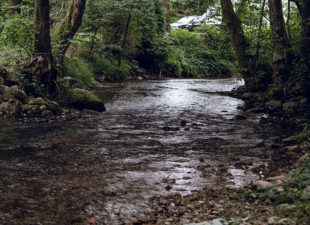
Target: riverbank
73 100
281 195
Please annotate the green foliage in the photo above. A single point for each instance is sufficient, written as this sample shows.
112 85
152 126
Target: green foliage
16 32
191 7
275 92
192 57
173 64
266 45
305 134
301 177
80 69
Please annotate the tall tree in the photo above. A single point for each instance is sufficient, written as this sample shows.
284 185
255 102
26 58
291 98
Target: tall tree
40 73
67 29
304 10
234 26
280 41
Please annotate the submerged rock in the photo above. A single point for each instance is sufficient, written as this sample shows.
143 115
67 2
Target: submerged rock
290 107
240 117
274 105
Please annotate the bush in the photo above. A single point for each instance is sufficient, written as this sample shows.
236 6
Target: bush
173 64
192 57
16 33
80 69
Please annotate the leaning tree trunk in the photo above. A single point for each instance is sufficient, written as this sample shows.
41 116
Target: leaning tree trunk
280 41
40 74
233 23
166 4
67 29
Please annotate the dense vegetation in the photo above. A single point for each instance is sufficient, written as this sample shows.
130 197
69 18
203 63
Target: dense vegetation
116 40
119 39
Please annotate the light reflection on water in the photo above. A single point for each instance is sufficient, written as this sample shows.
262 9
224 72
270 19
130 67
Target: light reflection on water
137 148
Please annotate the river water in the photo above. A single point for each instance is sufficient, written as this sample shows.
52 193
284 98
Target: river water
156 138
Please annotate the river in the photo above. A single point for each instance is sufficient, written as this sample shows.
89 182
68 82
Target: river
156 137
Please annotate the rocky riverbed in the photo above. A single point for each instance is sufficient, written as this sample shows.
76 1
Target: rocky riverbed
172 138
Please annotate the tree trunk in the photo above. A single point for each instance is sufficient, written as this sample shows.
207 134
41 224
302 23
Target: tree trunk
166 4
256 59
67 29
302 76
123 46
40 74
238 40
288 20
280 41
42 41
304 10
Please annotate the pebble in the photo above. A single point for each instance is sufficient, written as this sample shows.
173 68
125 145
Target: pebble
286 207
273 220
263 184
281 177
306 193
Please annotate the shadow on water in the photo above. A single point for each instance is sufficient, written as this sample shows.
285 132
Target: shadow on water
156 137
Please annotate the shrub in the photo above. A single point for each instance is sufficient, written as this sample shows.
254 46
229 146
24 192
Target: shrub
80 69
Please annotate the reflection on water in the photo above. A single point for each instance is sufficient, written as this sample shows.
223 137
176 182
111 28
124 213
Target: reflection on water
108 165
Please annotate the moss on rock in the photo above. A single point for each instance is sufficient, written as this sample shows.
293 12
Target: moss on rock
39 102
84 99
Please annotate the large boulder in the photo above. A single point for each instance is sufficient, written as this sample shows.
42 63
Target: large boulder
7 93
84 99
4 93
12 107
17 93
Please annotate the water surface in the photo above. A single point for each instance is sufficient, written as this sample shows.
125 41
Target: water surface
157 137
